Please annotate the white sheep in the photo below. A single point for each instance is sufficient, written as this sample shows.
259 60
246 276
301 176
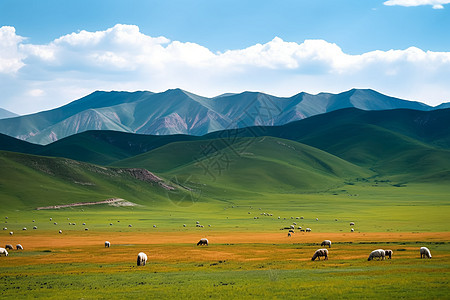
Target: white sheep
24 228
317 219
86 229
9 246
19 247
141 259
184 225
129 225
425 252
3 251
107 244
154 226
308 229
5 228
289 234
352 224
388 253
60 231
326 243
292 226
379 254
319 253
203 241
34 227
11 233
352 230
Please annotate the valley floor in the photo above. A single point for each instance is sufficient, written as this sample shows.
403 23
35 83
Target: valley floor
234 265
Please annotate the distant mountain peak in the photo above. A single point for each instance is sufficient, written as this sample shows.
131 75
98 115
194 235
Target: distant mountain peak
176 111
4 114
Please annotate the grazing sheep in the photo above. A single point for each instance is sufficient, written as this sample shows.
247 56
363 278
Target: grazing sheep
129 225
110 224
184 225
197 222
19 247
60 231
3 251
11 233
352 224
291 230
308 229
86 229
425 252
203 241
319 253
388 253
352 230
317 219
279 218
34 227
379 254
301 218
154 226
55 223
294 223
289 234
33 221
5 228
74 224
292 226
141 259
6 217
24 228
107 244
84 224
8 246
51 219
326 243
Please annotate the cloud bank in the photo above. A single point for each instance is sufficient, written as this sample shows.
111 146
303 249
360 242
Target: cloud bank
36 77
437 4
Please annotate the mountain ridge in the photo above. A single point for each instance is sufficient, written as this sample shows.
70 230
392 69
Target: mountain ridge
176 111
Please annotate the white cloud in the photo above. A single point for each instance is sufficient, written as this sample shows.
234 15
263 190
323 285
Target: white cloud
10 58
436 4
123 58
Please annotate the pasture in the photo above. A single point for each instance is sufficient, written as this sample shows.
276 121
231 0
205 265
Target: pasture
235 265
246 258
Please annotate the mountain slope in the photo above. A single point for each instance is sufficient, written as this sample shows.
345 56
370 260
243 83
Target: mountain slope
249 165
7 114
30 181
180 112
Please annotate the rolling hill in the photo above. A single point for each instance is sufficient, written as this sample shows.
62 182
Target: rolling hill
180 112
248 165
30 181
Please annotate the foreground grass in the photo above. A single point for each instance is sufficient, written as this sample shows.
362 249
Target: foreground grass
243 271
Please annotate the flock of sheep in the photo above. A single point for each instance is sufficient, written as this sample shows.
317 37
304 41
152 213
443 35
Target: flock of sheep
379 254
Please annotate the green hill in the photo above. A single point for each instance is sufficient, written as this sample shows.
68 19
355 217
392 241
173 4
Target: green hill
264 164
29 181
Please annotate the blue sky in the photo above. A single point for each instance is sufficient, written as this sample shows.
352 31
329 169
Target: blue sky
49 54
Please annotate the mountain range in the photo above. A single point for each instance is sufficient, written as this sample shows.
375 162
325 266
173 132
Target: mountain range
402 143
180 112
